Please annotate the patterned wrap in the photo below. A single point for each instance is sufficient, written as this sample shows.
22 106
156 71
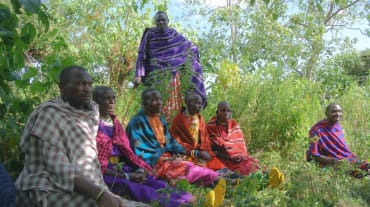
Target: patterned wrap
58 141
146 146
180 131
169 50
330 142
229 142
105 144
143 140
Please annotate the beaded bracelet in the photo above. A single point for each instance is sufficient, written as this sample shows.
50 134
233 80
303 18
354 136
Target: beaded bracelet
127 176
99 195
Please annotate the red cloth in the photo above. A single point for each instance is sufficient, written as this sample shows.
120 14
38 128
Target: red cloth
179 130
105 144
229 145
174 100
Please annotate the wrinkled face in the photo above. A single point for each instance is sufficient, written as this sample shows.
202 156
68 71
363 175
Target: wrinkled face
161 21
77 91
107 102
334 114
153 102
223 113
194 104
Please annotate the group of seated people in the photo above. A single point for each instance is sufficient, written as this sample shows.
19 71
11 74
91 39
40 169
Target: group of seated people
78 154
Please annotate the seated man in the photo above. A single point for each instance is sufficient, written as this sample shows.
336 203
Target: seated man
327 145
151 141
114 148
227 141
189 129
61 162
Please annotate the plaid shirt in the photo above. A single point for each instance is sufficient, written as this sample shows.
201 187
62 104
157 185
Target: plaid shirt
58 142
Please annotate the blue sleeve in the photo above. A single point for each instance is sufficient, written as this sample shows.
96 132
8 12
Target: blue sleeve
7 189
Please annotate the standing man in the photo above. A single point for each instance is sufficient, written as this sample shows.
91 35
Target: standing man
163 49
61 164
327 146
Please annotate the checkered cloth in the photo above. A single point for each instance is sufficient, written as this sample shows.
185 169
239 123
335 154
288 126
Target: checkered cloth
58 142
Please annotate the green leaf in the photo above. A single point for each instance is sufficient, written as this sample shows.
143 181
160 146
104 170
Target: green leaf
17 60
252 2
275 16
28 33
44 19
16 6
5 33
7 19
31 72
21 83
4 13
31 6
37 88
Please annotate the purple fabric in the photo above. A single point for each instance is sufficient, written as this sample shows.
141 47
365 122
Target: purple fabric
169 50
330 142
148 191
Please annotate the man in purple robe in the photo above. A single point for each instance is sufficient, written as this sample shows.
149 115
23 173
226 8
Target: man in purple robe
328 146
162 50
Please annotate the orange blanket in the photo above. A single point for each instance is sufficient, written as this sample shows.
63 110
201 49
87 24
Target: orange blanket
230 146
179 130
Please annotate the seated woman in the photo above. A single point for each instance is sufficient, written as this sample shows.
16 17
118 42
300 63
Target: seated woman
130 178
189 129
151 140
227 142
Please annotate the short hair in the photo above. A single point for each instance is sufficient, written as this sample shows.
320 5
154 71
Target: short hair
146 93
329 106
190 94
222 103
99 90
65 74
160 12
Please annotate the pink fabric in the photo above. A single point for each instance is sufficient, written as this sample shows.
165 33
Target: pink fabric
105 143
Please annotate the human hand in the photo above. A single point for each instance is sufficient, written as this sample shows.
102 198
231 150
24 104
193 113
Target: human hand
137 81
137 177
109 199
204 155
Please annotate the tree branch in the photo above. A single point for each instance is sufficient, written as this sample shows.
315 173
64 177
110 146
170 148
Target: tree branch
332 14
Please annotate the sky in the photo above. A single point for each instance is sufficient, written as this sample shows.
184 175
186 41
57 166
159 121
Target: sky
176 9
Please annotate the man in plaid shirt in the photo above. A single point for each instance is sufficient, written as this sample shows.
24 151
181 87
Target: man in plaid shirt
61 166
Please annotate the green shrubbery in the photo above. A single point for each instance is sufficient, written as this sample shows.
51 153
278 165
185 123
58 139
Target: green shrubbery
275 114
275 111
